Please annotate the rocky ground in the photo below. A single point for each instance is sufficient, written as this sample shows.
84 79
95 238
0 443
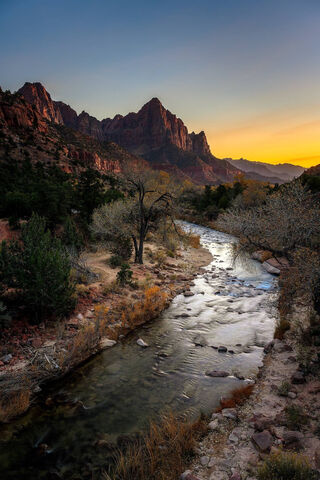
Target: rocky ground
282 413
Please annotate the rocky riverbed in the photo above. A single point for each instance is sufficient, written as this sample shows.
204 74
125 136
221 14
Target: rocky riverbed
209 341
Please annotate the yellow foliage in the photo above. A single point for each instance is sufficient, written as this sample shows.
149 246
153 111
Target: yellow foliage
15 404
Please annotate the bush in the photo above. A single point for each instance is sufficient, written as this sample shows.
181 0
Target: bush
295 417
38 268
286 466
71 237
115 261
284 389
124 275
122 247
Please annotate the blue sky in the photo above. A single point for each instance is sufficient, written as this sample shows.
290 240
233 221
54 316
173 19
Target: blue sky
245 71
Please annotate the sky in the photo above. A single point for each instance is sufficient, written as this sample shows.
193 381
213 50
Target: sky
247 72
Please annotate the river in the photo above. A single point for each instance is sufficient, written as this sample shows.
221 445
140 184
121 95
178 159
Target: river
117 392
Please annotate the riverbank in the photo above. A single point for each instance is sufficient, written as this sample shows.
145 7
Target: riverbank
105 314
281 415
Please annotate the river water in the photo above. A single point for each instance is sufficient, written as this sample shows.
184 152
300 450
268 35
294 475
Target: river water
117 392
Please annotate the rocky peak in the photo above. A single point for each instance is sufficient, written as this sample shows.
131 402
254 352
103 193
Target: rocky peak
36 94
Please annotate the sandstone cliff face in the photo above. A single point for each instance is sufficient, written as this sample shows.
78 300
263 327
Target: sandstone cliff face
26 134
151 128
37 95
153 133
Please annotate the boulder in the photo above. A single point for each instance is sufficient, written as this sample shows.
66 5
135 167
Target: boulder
262 440
293 439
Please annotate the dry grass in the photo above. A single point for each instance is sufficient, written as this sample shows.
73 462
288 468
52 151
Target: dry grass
162 453
148 308
194 241
14 404
237 397
286 466
283 325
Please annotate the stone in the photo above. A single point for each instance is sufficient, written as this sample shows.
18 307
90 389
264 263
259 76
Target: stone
188 294
6 358
235 476
292 395
262 440
107 343
142 343
217 373
222 349
293 439
214 425
233 438
230 413
204 460
80 316
298 378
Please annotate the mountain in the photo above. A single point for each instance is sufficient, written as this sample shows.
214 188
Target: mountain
153 133
280 173
37 132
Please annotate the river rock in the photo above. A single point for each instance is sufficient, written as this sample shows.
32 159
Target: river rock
262 440
214 425
142 343
188 294
230 413
217 373
107 343
222 349
204 460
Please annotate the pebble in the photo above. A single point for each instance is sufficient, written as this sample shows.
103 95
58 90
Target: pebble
142 343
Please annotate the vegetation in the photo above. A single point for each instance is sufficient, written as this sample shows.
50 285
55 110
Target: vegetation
38 269
51 193
162 453
286 466
287 224
149 201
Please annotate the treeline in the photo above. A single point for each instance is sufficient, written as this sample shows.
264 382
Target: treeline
208 202
52 211
50 192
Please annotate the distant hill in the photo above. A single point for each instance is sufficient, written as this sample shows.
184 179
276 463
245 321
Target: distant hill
280 173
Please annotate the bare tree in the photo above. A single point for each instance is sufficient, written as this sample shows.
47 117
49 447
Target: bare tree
148 201
289 219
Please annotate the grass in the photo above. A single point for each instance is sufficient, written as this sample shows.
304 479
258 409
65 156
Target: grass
295 417
238 396
286 466
284 389
162 453
16 403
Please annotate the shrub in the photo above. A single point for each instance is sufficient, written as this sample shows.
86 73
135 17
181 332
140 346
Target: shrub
284 389
71 237
194 241
238 396
115 261
124 275
295 417
14 404
286 466
38 268
160 258
122 247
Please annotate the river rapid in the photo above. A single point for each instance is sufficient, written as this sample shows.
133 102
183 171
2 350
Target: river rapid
117 392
